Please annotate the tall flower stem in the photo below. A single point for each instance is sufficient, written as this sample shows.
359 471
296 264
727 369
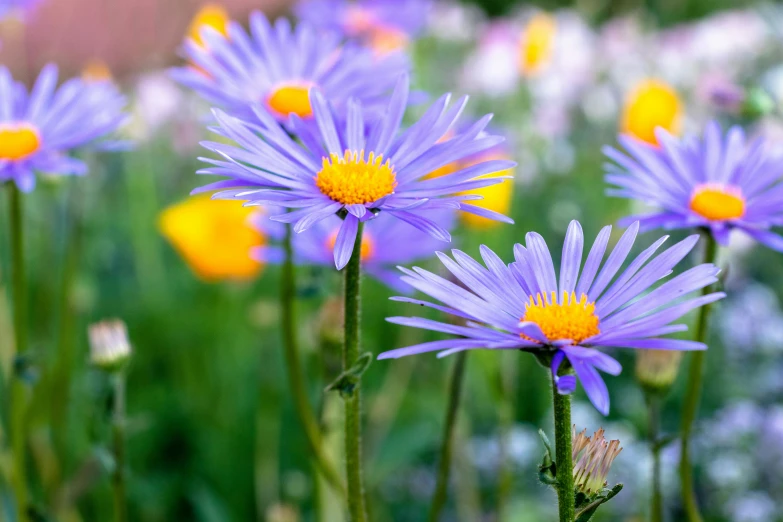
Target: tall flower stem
693 397
447 443
20 397
352 398
654 430
506 377
294 367
563 457
118 447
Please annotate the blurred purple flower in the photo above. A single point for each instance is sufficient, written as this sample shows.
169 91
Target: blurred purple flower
719 182
276 65
386 243
355 169
12 7
369 20
523 307
38 129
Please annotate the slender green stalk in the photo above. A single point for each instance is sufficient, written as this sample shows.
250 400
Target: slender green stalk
353 408
294 367
505 377
447 442
693 397
563 457
20 397
118 446
654 430
65 346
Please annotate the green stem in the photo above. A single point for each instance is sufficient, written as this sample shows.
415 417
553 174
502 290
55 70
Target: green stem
447 442
693 397
506 377
654 428
20 397
563 457
294 368
65 346
353 427
118 444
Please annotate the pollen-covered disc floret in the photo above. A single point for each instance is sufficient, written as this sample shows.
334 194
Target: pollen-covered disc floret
568 318
592 458
718 202
352 180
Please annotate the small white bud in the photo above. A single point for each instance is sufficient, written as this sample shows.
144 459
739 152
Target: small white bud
109 345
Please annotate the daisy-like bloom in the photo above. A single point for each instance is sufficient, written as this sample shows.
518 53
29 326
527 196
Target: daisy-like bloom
383 25
386 243
651 104
718 182
592 457
537 43
109 344
355 169
39 129
524 306
214 237
276 66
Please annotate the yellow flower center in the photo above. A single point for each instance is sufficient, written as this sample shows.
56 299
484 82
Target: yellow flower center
572 319
368 246
351 180
96 71
651 105
211 15
384 40
18 141
537 43
291 99
718 202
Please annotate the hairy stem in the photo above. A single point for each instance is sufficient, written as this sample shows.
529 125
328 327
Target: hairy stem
353 426
118 448
563 457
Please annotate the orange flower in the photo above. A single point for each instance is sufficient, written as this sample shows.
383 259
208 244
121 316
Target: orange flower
214 237
496 197
651 104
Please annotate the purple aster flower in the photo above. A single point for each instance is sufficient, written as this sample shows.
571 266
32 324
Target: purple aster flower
39 128
719 183
524 306
276 65
355 169
384 25
11 7
386 243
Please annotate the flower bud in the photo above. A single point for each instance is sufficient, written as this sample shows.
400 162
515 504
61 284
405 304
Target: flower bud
656 370
109 345
592 457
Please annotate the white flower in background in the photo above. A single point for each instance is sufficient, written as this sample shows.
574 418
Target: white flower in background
492 67
158 100
110 348
454 21
755 506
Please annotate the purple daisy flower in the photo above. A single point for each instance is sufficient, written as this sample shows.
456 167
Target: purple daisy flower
39 128
11 7
277 65
386 243
719 183
379 23
355 169
524 306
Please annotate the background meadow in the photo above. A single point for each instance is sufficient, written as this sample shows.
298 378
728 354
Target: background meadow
212 433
